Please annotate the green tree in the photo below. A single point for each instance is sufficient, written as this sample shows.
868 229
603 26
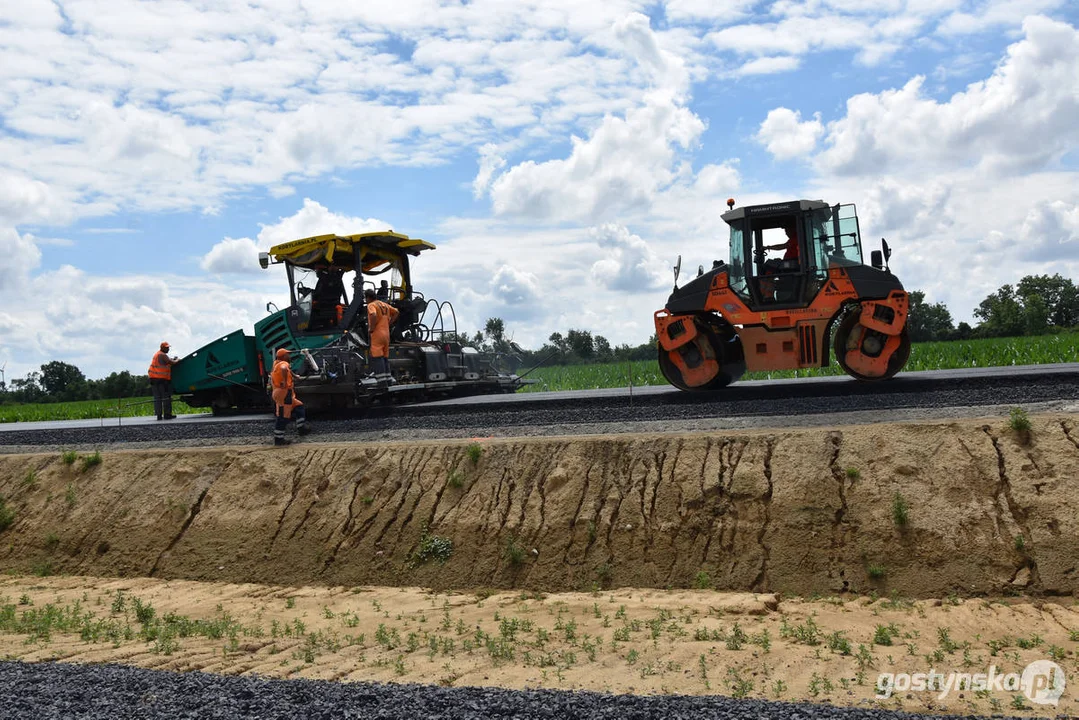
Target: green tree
27 389
927 321
495 331
603 349
63 382
559 342
582 344
1056 297
1001 313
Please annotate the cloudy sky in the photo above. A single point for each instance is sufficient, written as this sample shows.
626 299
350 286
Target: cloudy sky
560 153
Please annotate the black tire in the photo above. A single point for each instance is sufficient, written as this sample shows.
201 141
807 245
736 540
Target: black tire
896 362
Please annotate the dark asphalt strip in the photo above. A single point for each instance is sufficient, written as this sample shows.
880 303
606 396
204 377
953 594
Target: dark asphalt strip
113 692
679 406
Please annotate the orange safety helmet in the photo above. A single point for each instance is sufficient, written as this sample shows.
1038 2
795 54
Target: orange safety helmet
164 347
282 354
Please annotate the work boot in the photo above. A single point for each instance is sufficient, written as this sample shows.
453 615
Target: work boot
169 417
304 430
280 441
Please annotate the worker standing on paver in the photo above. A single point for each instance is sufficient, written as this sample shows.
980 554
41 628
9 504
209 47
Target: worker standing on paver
380 315
288 406
160 373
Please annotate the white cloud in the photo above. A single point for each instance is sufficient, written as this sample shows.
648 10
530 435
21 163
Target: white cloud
994 13
123 105
19 255
1019 118
769 65
624 163
513 294
630 265
232 255
717 11
785 135
1050 232
240 255
490 163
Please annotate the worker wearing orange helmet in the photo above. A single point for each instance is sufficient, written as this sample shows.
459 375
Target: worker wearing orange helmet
288 406
380 315
160 374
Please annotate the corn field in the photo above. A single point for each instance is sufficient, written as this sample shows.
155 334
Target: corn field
986 352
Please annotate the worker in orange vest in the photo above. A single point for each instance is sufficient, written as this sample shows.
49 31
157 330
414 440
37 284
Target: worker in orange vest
160 373
284 397
380 315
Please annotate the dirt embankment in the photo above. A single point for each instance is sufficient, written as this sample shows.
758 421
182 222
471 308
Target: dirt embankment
800 511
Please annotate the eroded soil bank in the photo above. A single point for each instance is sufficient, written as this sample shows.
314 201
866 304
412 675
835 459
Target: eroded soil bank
794 511
621 641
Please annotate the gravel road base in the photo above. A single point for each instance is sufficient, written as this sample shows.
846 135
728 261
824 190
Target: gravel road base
111 692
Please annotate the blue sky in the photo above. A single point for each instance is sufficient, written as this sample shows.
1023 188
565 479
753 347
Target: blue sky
560 153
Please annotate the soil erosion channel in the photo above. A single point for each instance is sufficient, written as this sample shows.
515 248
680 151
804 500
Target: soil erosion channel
934 509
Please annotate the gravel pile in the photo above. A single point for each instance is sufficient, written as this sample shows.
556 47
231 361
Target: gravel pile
113 692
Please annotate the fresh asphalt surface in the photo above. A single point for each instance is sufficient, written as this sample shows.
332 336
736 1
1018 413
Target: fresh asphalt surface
68 691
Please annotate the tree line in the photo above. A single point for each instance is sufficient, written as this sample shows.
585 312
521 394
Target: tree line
1036 305
63 382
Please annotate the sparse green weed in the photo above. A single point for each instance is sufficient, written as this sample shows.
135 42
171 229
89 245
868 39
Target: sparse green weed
89 461
7 515
1018 420
900 510
431 547
514 552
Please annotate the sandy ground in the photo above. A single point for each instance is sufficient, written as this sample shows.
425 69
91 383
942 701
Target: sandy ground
628 641
832 562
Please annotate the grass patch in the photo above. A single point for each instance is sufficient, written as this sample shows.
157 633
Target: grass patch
7 515
876 572
90 461
702 581
474 452
884 634
52 541
1018 420
853 473
69 457
515 552
431 547
456 480
900 510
